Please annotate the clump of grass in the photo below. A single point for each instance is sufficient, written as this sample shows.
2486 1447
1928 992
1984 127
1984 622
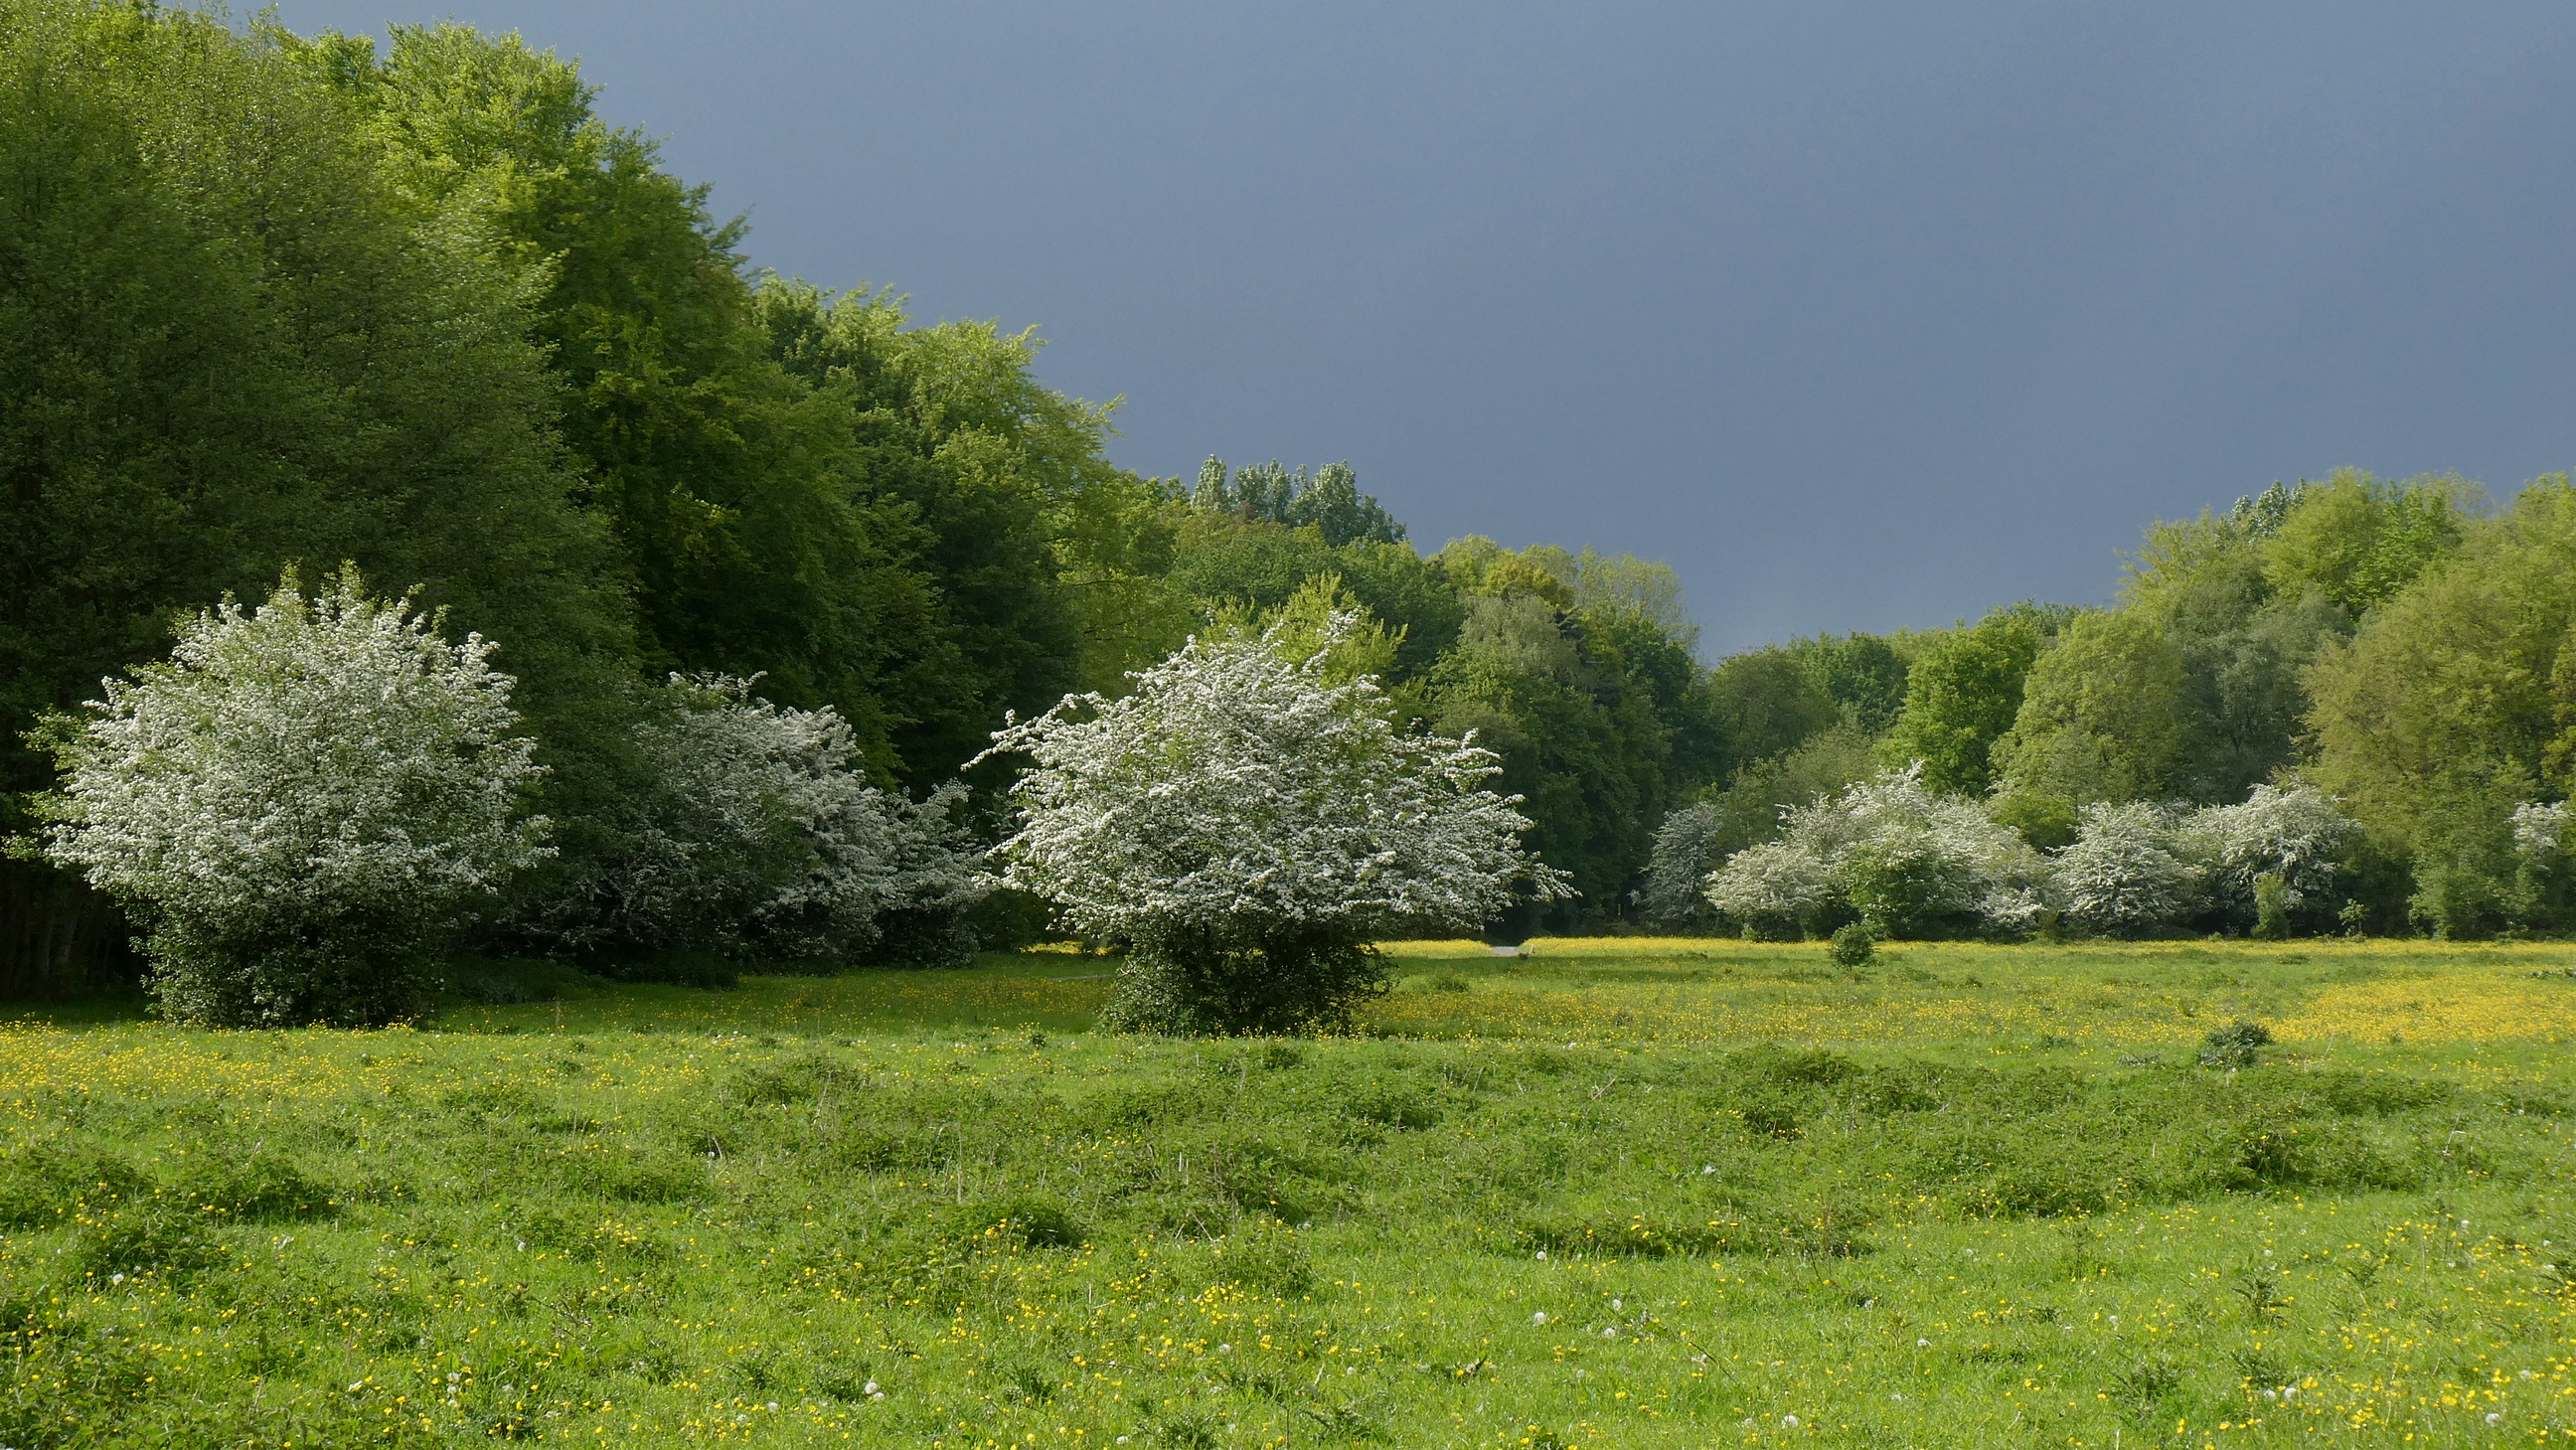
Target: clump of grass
2238 1044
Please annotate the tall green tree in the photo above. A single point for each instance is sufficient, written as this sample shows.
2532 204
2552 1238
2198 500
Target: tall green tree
2102 715
1964 692
2454 703
226 344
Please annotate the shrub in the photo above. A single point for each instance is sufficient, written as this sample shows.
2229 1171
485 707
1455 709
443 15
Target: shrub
2272 901
2294 838
752 827
1248 825
1855 944
298 804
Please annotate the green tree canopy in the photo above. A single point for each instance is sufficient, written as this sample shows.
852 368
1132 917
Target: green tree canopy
1964 692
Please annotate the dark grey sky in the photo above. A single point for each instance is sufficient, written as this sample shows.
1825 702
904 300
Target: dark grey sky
1859 315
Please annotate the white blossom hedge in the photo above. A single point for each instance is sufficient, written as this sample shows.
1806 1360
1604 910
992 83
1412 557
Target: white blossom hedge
297 803
1912 862
1249 826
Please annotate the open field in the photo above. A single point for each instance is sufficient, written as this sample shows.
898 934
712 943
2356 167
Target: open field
1631 1192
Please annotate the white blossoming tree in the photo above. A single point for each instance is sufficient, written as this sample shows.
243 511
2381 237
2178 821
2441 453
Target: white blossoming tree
752 829
2132 868
297 804
2273 852
1248 826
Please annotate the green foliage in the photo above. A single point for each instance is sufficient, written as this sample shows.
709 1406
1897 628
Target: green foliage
2446 710
1329 503
226 343
2102 714
2271 907
1964 691
1854 944
2359 540
1595 707
2238 1044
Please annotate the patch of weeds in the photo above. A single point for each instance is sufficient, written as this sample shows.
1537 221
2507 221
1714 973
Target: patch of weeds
800 1080
145 1238
2238 1044
267 1187
493 1100
1347 1419
44 1182
1264 1256
2261 1292
2355 1094
1188 1429
2147 1384
2258 1369
1771 1117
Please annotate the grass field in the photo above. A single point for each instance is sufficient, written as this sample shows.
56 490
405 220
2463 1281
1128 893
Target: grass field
1620 1192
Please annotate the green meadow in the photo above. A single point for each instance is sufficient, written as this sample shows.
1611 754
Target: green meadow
1616 1192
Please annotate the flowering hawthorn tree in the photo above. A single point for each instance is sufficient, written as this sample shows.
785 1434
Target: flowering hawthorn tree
2133 867
297 804
754 829
2293 839
1247 827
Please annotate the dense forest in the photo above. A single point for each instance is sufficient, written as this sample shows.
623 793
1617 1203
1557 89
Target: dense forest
270 301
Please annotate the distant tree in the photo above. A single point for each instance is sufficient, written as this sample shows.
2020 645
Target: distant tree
2455 703
1964 692
2358 540
2102 714
297 805
1247 826
1330 502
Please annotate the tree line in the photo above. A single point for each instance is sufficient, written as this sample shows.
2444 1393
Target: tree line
2377 677
274 300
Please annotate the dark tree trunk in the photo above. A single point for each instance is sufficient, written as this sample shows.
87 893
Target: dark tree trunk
58 938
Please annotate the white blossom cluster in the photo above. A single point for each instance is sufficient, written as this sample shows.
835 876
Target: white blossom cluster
760 828
304 761
1883 845
2295 834
2132 867
2540 833
2135 866
1232 785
